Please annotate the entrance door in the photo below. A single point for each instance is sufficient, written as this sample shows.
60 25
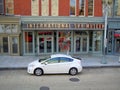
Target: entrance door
45 44
117 46
4 48
81 44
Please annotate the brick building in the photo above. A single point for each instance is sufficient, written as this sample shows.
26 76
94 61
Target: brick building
57 26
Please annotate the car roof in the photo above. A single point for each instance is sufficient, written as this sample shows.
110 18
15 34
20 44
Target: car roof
60 55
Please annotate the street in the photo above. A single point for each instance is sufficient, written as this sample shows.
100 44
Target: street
89 79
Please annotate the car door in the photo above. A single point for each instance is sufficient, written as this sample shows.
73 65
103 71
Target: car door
51 65
65 64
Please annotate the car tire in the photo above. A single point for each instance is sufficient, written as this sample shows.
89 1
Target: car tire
73 71
38 71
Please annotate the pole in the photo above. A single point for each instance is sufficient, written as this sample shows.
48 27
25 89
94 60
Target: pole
104 61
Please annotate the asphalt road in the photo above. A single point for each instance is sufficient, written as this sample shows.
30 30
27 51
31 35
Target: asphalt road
89 79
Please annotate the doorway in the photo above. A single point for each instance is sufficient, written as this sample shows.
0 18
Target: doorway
117 45
45 44
81 42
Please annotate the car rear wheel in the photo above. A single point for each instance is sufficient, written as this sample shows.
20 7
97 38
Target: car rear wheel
38 72
73 71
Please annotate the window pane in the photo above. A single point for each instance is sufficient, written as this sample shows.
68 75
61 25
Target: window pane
117 7
72 7
5 44
45 7
64 41
81 7
109 3
1 7
14 45
9 5
28 42
90 7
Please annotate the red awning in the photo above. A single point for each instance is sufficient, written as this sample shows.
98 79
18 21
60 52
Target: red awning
117 35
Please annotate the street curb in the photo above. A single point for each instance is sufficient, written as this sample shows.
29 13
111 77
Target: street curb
84 67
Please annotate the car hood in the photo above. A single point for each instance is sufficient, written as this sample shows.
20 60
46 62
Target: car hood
34 62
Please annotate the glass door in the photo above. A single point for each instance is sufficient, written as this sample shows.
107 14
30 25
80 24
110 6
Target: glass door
117 45
81 44
14 43
45 44
5 44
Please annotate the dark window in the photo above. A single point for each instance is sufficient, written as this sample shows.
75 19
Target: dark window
5 44
65 59
53 60
1 7
72 7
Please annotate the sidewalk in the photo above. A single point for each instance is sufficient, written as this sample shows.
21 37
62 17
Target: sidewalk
21 62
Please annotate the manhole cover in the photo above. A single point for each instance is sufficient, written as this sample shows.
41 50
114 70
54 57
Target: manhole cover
44 88
74 79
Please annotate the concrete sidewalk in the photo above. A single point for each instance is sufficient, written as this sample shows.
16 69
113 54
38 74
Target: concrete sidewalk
21 62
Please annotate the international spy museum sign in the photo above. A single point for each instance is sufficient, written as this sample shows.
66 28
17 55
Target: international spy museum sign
39 26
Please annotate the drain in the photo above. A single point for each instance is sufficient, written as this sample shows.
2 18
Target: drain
44 88
74 79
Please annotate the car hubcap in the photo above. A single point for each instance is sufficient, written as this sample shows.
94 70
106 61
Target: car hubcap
73 71
38 72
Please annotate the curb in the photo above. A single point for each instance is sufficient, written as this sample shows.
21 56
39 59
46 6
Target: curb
84 67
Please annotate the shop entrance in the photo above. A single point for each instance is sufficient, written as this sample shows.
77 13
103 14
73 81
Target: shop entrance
81 42
117 45
45 44
4 49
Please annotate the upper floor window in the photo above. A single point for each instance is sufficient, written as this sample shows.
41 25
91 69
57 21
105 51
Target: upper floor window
90 7
81 7
1 7
117 8
109 5
9 7
45 7
72 7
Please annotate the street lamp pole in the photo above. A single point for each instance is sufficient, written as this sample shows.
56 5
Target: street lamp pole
104 61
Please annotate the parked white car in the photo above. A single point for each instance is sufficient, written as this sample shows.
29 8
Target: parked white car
58 63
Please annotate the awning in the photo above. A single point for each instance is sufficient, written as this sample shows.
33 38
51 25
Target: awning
117 35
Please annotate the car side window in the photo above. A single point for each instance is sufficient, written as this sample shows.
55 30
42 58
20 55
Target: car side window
65 59
53 60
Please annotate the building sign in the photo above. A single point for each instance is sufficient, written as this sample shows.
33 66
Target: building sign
63 26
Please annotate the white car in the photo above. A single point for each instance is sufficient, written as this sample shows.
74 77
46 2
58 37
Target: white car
58 63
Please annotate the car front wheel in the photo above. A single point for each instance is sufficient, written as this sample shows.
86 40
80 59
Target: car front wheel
73 71
38 72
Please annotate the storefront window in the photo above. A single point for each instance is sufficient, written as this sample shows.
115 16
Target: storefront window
28 42
64 41
90 7
81 7
97 41
72 7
